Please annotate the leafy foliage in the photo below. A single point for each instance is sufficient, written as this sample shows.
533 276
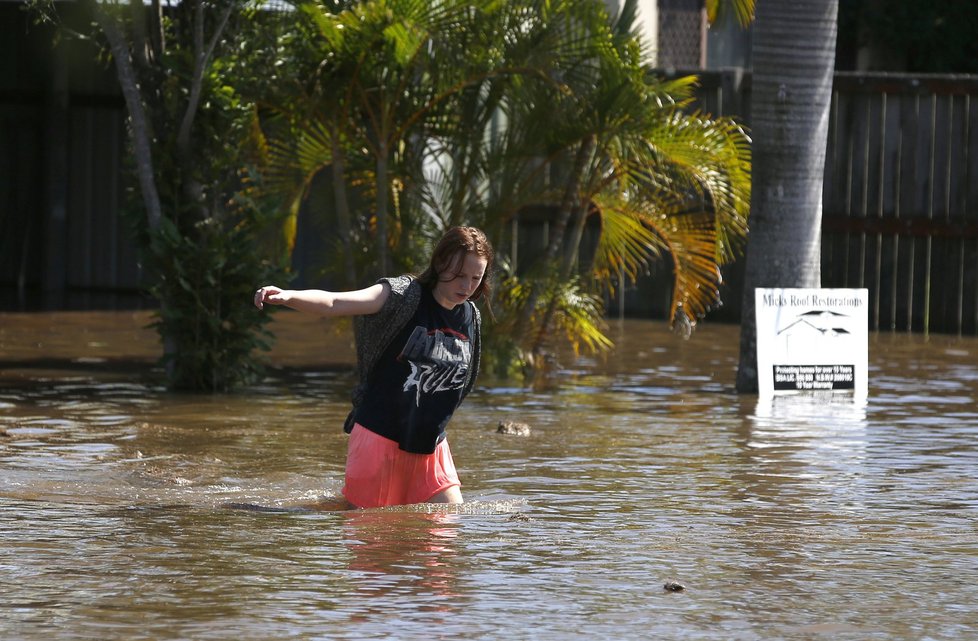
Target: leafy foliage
478 112
199 224
211 249
207 277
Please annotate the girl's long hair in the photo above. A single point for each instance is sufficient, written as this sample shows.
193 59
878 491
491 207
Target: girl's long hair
450 254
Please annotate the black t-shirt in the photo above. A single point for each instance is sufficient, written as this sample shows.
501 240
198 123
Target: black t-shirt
418 382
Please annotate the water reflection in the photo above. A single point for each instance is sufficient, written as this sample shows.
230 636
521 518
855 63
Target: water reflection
403 552
809 439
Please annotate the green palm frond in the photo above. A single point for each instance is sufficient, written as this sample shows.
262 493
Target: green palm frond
298 156
627 244
710 157
291 163
580 316
688 235
328 24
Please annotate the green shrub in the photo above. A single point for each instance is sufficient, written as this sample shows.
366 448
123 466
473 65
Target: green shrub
205 281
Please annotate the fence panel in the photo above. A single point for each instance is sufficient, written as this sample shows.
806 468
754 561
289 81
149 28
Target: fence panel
900 201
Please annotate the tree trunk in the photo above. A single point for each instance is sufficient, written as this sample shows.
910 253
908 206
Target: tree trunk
571 200
139 127
141 136
193 189
382 187
343 209
157 41
572 197
140 36
566 268
573 253
794 60
202 57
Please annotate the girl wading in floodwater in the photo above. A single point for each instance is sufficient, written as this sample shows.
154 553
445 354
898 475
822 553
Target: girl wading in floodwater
418 348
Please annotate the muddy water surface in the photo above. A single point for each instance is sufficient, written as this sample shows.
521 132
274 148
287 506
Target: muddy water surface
801 519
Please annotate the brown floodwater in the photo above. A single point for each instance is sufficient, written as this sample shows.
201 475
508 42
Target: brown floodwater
802 518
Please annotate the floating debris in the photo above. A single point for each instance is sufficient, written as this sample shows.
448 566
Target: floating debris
672 586
514 428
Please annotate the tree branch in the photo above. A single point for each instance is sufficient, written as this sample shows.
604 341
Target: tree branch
139 128
139 34
201 59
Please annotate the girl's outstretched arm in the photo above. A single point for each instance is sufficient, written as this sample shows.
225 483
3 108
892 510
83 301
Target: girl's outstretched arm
317 301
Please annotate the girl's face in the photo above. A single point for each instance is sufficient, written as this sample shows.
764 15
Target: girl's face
457 283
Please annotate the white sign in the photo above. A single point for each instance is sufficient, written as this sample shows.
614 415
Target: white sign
812 340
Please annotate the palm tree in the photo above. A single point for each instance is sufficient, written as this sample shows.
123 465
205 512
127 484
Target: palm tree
660 180
494 107
794 59
380 94
304 128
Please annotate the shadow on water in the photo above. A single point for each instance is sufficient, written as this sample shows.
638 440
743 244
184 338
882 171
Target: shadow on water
799 518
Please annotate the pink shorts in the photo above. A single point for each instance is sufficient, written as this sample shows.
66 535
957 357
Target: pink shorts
379 473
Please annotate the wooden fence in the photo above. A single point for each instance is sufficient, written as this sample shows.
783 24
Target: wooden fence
900 204
901 217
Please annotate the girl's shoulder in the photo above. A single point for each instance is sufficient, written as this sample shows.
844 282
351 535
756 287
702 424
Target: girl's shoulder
403 285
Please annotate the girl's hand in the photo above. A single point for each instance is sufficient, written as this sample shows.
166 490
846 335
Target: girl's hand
271 295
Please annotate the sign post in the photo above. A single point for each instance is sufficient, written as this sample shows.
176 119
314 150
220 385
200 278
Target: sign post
812 340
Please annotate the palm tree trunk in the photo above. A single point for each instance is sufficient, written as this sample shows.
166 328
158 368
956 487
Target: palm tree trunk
794 60
573 252
571 197
570 200
567 266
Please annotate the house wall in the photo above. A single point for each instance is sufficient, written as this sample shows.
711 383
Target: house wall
63 241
